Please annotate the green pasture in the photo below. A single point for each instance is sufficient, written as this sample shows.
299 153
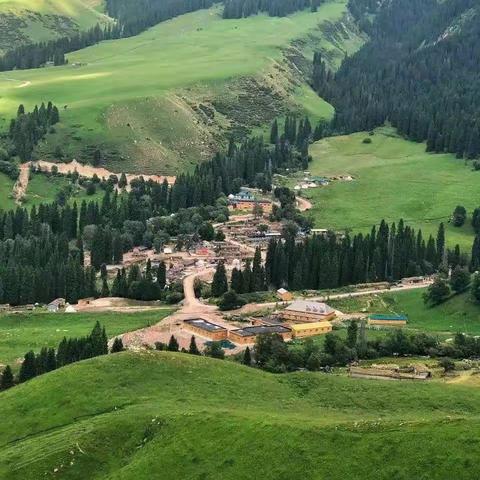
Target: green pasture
458 314
171 415
21 332
393 178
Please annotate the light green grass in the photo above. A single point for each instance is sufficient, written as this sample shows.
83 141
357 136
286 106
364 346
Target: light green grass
394 179
22 332
458 314
197 49
162 415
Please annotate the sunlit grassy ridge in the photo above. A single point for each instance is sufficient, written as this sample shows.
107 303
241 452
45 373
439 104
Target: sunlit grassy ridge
177 63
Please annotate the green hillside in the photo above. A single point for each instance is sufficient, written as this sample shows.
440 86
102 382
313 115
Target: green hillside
23 21
20 333
182 86
156 414
393 179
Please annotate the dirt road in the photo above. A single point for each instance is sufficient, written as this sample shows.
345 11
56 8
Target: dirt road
88 171
21 185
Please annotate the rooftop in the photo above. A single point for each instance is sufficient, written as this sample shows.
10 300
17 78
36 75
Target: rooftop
260 330
299 327
204 325
387 316
305 306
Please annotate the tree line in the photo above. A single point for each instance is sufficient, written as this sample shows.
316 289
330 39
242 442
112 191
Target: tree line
69 351
28 128
411 74
274 8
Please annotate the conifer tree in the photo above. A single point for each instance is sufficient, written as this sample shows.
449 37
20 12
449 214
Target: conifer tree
247 358
172 344
193 349
28 370
117 345
220 282
7 380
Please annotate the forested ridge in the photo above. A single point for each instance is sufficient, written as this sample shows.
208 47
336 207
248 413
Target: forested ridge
420 71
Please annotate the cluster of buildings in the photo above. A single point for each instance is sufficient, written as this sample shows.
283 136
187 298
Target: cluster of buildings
300 319
244 201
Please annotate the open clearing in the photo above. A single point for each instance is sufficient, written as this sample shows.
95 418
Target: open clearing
393 179
171 415
22 332
152 96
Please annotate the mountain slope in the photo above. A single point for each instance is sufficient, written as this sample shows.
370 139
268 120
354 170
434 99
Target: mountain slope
181 416
23 21
169 97
420 71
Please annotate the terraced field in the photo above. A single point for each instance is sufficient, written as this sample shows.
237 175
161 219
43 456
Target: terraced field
166 98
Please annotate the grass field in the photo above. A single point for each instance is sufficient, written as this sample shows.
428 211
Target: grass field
158 414
20 333
394 179
22 21
458 314
106 86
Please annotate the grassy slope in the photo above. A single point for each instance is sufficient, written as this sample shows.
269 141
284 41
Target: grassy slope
178 416
394 179
40 20
458 314
195 51
32 331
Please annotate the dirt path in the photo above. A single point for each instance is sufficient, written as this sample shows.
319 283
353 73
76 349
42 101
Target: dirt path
21 185
252 307
89 171
303 204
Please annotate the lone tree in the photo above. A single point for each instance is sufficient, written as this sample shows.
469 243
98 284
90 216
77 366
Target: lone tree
460 279
28 370
193 349
172 344
352 334
475 288
219 283
247 357
117 345
459 216
7 378
437 292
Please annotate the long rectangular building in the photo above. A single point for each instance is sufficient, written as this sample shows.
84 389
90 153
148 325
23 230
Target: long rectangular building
300 330
303 311
249 334
207 329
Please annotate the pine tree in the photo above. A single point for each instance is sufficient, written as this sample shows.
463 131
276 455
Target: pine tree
28 370
220 282
247 358
173 344
193 349
7 380
117 345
